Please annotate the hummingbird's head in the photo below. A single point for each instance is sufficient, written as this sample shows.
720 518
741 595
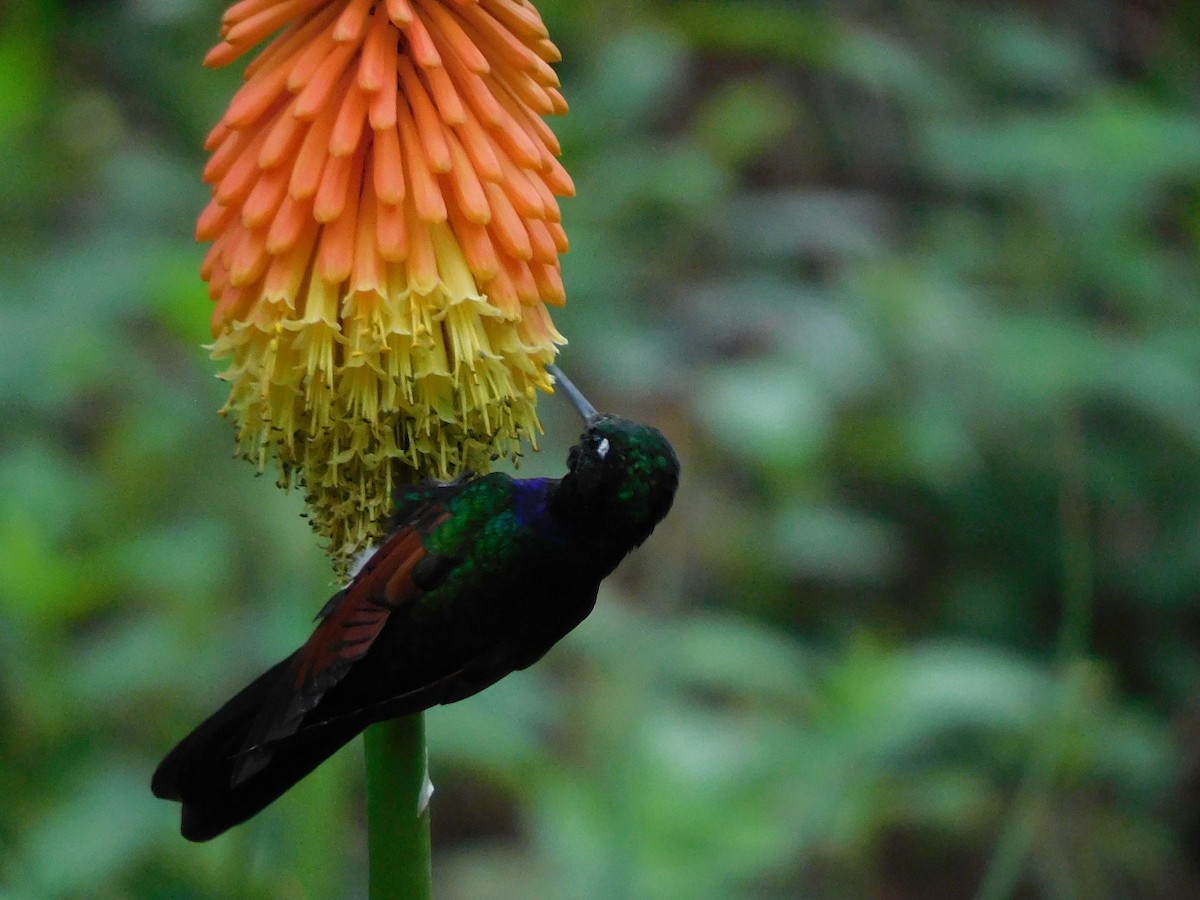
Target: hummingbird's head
622 475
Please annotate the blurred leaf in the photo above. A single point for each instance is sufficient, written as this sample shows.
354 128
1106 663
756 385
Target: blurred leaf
739 658
767 414
24 64
744 120
93 833
769 28
820 225
890 67
1095 164
834 545
1017 50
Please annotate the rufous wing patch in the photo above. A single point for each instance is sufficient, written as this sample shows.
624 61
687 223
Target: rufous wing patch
347 629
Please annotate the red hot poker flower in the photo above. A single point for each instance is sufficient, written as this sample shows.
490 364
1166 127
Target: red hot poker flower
385 239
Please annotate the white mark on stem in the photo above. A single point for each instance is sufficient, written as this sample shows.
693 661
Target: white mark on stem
426 790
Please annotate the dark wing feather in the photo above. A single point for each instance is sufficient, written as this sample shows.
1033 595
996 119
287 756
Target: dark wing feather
198 772
475 675
267 738
349 625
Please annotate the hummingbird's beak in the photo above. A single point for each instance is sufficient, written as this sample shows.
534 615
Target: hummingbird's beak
585 409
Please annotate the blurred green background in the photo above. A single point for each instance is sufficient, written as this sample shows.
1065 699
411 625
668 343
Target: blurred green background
914 289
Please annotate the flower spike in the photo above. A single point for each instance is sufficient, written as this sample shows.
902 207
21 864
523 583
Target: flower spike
385 241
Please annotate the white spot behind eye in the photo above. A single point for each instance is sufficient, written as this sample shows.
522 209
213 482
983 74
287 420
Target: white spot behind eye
602 448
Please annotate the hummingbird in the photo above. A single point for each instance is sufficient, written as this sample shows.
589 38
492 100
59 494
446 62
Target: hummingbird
478 577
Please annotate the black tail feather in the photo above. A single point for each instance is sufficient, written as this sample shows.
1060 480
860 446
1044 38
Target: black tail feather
199 772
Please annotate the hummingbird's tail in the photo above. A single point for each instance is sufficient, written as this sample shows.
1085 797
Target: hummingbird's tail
200 771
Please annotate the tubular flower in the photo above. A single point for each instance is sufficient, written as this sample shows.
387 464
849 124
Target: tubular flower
385 238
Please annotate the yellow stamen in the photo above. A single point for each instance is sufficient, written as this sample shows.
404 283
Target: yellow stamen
386 235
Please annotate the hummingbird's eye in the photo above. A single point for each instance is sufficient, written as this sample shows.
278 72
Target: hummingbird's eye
602 448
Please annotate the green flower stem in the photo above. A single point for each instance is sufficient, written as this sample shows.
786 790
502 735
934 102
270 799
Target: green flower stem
398 810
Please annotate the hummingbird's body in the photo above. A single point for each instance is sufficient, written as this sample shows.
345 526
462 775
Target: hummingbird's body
479 578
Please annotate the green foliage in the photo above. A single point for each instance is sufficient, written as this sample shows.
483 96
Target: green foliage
914 293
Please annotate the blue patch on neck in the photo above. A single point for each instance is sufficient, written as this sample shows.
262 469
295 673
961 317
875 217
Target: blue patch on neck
531 499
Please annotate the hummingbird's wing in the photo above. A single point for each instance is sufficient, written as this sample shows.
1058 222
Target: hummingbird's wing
395 576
